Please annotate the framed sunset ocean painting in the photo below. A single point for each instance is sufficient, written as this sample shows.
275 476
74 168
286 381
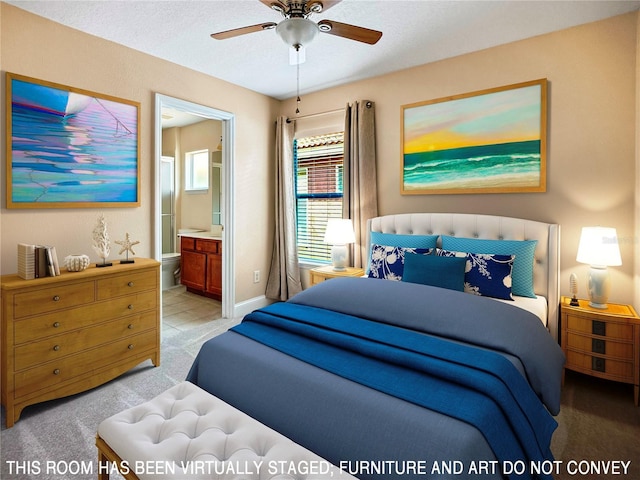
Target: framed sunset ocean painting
490 141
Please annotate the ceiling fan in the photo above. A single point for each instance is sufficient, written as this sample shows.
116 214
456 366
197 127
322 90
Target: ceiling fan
296 30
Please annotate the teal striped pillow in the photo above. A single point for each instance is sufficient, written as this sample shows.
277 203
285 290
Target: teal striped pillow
524 250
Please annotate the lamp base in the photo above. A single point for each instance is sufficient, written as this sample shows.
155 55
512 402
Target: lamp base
339 257
602 306
599 286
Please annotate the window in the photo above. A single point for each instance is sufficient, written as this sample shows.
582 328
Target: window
319 167
196 170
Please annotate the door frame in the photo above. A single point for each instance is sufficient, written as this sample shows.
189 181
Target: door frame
228 151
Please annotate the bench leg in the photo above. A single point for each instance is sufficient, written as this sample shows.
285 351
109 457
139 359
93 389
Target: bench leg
107 456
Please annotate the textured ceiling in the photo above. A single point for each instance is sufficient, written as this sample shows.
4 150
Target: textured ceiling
414 33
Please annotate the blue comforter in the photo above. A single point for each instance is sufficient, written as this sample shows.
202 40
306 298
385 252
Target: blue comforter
365 406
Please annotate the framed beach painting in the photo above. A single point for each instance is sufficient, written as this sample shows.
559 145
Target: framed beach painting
70 148
490 141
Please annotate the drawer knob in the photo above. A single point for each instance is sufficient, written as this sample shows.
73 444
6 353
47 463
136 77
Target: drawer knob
56 371
56 324
130 306
130 347
130 284
56 348
130 326
56 298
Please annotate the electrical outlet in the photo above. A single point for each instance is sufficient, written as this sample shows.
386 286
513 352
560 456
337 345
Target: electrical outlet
256 276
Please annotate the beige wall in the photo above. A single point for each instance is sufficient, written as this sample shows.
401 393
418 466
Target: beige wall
592 173
33 46
637 129
591 71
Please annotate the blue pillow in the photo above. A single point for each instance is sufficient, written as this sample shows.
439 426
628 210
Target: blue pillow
401 240
523 250
445 272
387 262
487 275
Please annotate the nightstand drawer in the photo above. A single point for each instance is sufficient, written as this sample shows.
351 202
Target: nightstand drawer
601 346
595 364
593 326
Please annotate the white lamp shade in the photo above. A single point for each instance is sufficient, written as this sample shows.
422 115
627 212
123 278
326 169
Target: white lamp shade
599 246
339 232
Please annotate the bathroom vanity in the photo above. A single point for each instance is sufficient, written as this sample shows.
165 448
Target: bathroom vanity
201 264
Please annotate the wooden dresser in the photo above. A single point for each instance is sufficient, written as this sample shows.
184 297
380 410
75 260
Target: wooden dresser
66 334
603 343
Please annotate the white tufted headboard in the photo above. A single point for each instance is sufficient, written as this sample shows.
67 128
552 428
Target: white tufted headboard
546 271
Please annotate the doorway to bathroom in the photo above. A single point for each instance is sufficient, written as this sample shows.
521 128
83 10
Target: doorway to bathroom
179 208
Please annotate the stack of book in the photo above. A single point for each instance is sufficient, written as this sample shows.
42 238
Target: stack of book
36 261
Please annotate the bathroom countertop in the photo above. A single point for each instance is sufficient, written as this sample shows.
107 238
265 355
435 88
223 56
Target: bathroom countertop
201 235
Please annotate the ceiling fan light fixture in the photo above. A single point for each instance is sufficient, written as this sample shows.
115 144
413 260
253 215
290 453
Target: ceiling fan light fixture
315 7
297 31
325 26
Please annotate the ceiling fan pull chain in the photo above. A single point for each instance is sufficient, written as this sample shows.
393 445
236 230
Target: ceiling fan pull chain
298 80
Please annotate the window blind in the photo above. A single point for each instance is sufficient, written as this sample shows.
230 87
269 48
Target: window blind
319 189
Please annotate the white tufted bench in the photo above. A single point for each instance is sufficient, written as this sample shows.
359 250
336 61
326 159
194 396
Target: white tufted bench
187 433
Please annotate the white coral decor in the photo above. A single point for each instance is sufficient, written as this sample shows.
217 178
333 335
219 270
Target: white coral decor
101 241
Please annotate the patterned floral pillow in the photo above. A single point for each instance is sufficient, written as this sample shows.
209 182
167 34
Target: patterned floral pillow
387 262
487 275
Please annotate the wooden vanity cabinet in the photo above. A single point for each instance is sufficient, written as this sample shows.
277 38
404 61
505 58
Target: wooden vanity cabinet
201 266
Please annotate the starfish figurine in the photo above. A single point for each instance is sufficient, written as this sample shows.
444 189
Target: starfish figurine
127 246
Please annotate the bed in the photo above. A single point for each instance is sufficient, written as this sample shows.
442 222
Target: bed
397 379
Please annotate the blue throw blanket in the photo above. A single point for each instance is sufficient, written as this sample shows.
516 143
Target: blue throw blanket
458 316
474 385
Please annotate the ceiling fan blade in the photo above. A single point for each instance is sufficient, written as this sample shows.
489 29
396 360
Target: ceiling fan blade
269 3
326 4
360 34
244 30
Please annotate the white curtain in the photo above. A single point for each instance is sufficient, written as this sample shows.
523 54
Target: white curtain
284 274
360 200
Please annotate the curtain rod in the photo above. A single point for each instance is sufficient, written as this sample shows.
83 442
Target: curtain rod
289 120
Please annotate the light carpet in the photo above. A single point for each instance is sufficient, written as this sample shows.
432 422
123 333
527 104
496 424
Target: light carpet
598 423
55 440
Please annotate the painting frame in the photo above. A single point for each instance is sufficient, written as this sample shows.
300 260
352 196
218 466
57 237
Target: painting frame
68 147
487 141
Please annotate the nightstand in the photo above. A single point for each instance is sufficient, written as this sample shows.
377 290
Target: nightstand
320 274
603 343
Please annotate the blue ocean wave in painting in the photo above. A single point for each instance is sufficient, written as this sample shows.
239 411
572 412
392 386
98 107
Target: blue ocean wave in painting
514 164
90 156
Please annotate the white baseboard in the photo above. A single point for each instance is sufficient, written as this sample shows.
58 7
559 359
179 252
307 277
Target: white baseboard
243 308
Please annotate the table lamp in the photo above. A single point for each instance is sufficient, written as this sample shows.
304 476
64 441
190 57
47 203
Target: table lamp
339 232
599 248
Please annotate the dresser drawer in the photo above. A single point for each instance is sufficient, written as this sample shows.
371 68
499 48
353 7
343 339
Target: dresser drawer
595 364
602 346
60 346
42 326
53 298
58 371
595 327
126 284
